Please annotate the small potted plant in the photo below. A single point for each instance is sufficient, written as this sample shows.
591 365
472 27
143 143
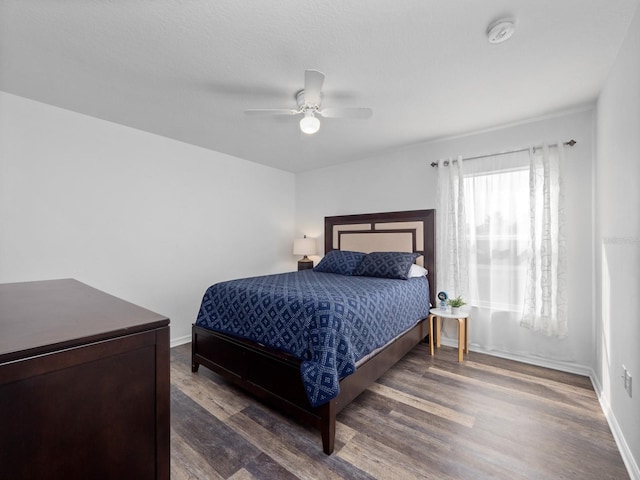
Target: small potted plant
455 304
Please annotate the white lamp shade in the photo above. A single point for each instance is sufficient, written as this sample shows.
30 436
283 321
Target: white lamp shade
304 246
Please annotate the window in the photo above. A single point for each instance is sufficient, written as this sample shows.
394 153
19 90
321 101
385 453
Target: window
497 222
500 238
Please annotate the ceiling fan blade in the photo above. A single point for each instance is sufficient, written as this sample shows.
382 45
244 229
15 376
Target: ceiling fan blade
313 80
271 111
346 112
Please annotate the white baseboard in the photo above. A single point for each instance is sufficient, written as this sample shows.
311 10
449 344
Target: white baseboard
174 342
625 451
531 360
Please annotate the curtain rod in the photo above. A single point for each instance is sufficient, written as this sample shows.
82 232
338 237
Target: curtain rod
570 143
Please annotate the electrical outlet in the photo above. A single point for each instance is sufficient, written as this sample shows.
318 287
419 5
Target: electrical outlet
626 378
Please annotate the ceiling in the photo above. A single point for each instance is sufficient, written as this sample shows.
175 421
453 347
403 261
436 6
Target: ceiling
188 69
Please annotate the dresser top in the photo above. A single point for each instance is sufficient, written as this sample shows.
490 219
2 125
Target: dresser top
39 317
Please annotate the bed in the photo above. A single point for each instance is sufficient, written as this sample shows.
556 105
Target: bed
315 384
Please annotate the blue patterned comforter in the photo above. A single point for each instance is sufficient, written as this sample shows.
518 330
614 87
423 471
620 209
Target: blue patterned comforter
328 321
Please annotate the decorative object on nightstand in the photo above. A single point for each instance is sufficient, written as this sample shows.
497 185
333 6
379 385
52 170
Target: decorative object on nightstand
443 297
463 329
456 304
304 246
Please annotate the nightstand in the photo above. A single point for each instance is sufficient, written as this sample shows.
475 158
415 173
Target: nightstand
305 265
463 329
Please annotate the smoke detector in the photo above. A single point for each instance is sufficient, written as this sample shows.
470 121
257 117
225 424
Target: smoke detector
501 30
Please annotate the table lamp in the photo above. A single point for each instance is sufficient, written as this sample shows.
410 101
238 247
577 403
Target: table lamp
304 246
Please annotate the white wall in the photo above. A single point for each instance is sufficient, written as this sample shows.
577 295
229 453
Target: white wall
146 218
618 244
404 180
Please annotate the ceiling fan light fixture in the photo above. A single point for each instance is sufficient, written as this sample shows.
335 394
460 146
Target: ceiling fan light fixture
309 123
309 101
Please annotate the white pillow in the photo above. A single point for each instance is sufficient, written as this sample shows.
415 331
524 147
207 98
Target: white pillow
417 271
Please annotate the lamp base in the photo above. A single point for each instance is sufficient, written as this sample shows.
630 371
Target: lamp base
305 264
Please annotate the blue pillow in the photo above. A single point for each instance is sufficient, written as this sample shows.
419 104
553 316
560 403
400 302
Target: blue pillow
342 262
387 265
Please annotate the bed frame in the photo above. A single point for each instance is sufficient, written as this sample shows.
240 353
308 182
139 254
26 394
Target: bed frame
274 377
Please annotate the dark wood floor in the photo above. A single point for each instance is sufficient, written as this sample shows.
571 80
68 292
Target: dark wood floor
428 417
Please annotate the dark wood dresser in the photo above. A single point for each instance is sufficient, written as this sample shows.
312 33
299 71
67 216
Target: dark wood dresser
84 384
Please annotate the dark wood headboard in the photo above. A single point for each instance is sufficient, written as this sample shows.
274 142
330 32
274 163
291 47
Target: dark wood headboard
409 231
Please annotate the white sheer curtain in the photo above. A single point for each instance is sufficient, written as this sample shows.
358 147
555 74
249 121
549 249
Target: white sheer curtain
545 307
452 244
498 242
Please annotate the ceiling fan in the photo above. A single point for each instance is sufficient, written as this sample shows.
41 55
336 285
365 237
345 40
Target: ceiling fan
309 101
